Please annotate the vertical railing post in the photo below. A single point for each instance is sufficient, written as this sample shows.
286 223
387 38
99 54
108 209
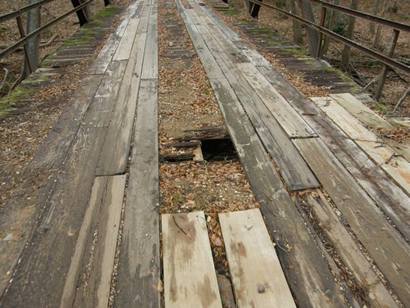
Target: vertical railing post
323 13
23 35
383 74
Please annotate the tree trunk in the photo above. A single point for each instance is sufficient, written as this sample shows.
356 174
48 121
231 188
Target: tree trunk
349 34
332 21
296 27
376 42
33 23
81 14
376 10
313 35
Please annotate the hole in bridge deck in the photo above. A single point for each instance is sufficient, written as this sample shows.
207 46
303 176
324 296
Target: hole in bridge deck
218 149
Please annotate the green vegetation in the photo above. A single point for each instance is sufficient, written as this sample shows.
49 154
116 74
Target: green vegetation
8 103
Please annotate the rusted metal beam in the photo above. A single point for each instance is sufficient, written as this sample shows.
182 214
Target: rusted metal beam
370 52
22 10
22 41
364 15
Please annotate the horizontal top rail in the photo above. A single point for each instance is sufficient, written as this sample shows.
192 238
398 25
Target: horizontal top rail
371 52
364 15
22 41
22 10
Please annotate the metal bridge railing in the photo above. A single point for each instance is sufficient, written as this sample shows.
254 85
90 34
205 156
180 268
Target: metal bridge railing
387 59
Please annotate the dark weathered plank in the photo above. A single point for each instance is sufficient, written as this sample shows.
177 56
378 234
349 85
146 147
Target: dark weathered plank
189 272
376 293
88 280
292 167
390 252
39 279
306 270
387 195
40 176
256 273
115 152
139 268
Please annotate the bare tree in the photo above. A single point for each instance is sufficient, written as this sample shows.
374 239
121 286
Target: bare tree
33 23
313 35
349 34
333 19
296 27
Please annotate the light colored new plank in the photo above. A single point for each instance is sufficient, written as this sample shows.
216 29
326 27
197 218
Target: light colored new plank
256 273
189 272
348 123
308 286
287 117
360 111
348 249
390 251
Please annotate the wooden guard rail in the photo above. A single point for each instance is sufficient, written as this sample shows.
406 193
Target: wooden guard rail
387 60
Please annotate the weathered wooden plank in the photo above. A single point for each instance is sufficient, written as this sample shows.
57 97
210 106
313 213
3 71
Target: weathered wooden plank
397 167
349 250
288 118
99 113
367 116
114 155
189 272
40 179
316 286
107 52
292 167
390 252
389 197
139 268
124 49
256 273
94 256
150 67
44 263
349 124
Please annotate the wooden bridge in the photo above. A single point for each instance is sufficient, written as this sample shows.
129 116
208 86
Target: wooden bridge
332 229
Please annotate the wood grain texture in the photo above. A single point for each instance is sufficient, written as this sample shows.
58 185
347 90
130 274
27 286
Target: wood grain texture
390 252
349 250
316 286
390 198
256 273
139 269
40 178
114 155
397 167
93 259
348 123
355 107
288 118
189 272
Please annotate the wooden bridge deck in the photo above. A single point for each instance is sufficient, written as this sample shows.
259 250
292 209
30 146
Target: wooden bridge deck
100 209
